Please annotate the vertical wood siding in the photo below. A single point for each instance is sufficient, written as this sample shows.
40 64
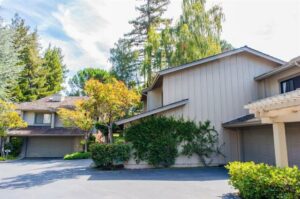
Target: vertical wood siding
217 91
271 86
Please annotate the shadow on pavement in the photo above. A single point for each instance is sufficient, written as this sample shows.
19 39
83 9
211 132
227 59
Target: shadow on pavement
51 175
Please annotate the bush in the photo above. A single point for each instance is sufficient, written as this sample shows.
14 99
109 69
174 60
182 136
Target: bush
77 155
2 159
108 156
15 146
156 139
260 181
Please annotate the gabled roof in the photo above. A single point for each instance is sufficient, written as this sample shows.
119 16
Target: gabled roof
213 58
46 104
293 63
154 111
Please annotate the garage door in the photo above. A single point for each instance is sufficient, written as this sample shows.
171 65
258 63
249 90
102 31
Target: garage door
49 146
258 144
293 143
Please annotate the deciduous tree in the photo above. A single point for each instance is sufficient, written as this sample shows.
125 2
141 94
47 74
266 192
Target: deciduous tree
79 118
9 119
109 101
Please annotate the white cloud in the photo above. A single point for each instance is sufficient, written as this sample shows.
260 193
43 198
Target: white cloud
94 26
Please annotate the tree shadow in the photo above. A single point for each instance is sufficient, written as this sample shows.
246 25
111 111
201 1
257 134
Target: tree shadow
51 175
230 196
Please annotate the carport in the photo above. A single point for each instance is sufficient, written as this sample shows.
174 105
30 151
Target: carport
279 111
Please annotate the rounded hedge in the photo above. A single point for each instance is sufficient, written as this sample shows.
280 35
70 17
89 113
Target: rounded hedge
261 181
108 156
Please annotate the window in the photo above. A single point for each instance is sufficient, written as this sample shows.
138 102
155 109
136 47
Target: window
42 118
290 84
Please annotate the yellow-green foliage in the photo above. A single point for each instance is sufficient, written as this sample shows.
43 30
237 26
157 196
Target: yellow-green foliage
77 155
261 181
9 118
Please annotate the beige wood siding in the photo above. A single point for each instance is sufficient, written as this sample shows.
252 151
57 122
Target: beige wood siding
217 91
58 122
154 99
28 117
271 86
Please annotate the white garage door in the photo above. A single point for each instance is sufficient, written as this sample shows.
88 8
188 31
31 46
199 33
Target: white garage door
49 146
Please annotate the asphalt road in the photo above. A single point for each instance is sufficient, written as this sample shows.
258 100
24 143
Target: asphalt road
75 179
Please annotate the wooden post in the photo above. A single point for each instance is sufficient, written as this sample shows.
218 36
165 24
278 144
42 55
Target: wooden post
280 145
52 120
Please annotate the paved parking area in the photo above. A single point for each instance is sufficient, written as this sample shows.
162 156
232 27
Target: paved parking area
74 179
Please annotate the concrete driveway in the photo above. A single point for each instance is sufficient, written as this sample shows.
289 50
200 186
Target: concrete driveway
74 179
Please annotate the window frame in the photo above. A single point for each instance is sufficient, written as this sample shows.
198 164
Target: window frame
43 122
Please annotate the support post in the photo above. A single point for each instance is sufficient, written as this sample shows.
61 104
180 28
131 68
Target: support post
280 145
52 120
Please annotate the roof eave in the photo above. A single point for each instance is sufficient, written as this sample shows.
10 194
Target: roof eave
153 112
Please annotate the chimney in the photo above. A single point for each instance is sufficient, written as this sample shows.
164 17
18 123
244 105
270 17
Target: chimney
57 98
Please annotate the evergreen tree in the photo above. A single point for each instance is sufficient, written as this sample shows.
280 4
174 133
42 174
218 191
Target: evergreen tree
9 68
77 82
145 28
32 82
55 70
123 60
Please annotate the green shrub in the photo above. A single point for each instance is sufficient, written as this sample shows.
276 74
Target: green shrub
261 181
77 155
156 139
108 156
15 145
2 159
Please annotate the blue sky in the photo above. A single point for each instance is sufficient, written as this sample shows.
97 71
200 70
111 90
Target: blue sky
87 29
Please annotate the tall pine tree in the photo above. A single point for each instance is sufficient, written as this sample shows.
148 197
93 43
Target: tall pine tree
124 62
40 76
9 63
145 26
55 70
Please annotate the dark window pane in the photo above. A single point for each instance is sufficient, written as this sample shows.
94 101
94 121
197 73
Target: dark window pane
39 118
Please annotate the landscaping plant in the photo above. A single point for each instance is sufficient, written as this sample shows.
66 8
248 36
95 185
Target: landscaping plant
109 156
261 181
78 118
77 155
9 119
156 140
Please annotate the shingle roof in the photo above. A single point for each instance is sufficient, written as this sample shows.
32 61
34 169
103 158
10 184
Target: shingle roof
46 104
45 131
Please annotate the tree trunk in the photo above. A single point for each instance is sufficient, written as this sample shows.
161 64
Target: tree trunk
1 147
110 133
85 141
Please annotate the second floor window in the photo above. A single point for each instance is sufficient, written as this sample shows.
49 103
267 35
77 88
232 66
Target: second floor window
42 118
290 84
